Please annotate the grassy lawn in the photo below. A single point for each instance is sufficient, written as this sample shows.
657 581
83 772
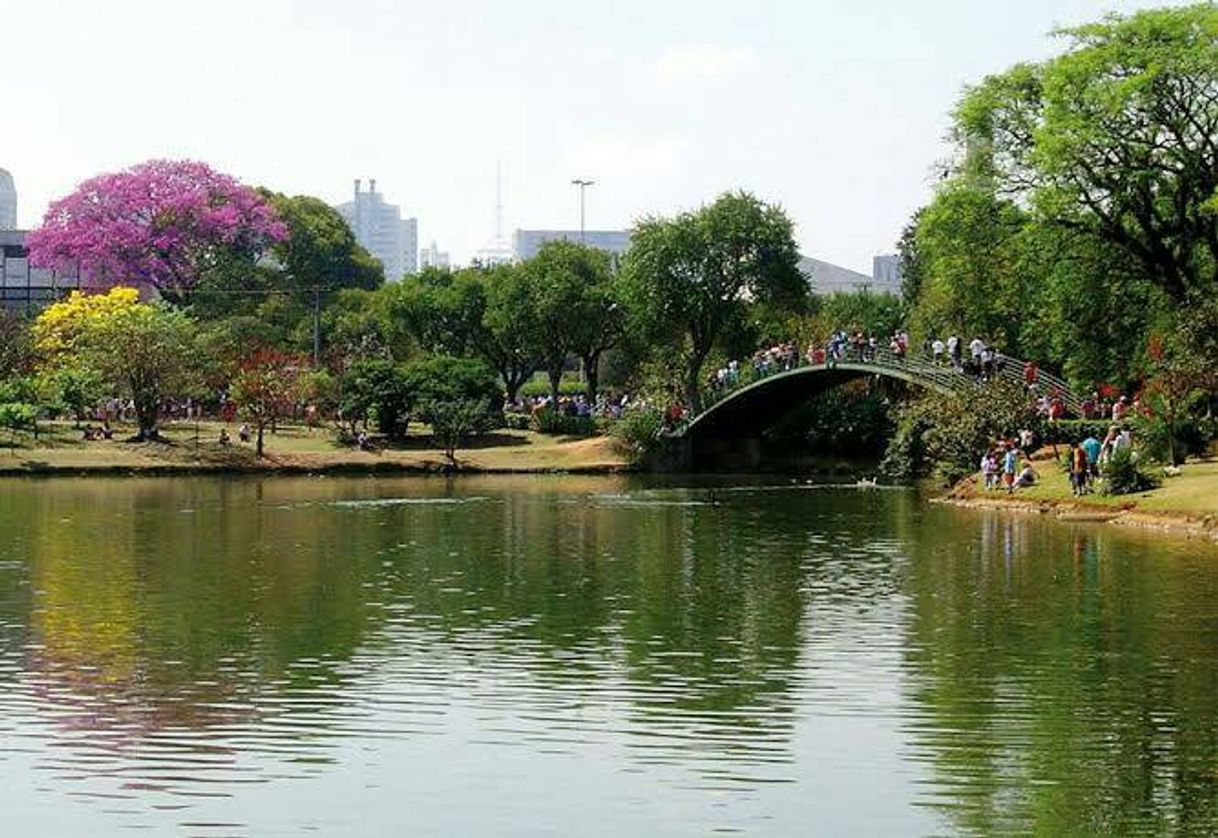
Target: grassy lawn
1194 492
60 446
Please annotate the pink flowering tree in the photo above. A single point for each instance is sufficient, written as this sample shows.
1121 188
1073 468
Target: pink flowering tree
163 223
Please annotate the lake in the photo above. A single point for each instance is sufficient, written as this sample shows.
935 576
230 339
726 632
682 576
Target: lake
593 656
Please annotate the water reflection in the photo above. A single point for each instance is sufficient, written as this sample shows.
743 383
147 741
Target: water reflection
1066 677
262 656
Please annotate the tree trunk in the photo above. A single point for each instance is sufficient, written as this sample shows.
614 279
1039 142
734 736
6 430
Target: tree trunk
146 414
592 374
555 376
693 382
258 448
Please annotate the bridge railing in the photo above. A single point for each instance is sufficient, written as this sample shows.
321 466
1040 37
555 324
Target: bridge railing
944 375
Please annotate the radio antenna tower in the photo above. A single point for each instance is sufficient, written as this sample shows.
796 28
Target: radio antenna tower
498 251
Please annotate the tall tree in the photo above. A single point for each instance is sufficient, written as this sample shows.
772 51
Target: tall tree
976 283
574 311
506 343
147 351
1117 137
160 224
688 278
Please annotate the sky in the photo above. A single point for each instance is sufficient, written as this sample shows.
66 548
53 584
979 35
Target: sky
834 109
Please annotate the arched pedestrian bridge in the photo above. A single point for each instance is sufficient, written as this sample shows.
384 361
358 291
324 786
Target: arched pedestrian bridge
730 427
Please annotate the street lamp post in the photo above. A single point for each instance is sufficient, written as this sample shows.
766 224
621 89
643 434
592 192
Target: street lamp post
583 186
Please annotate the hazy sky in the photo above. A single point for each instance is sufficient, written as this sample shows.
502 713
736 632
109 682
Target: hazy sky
835 109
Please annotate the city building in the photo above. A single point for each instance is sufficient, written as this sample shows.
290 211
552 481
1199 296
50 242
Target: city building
526 243
27 289
380 228
8 201
886 273
827 278
434 257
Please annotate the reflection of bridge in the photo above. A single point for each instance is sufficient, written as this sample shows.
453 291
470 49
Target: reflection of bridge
743 412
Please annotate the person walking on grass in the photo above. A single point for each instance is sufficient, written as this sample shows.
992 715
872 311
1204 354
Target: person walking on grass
1080 468
1010 462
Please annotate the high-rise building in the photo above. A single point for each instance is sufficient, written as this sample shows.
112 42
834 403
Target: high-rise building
433 257
380 228
886 273
526 243
8 201
25 288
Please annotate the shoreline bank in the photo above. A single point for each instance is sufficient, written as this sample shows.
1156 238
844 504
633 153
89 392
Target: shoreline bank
1118 511
296 451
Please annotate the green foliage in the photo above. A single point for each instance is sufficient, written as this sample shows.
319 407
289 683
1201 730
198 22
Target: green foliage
1113 137
457 397
547 420
970 245
855 418
1077 430
877 314
637 433
1123 475
517 421
79 387
569 386
320 250
376 387
947 434
16 345
688 280
146 351
574 309
19 400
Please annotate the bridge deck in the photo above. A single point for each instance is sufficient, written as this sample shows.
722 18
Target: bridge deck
944 378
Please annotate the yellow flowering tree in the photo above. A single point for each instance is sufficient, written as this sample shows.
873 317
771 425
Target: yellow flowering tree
60 326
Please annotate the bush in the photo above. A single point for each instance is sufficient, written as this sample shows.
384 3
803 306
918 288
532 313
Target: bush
517 421
378 387
1122 476
547 420
541 387
1076 430
457 397
1165 442
637 433
948 433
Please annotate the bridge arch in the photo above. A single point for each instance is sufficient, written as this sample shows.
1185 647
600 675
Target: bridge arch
730 429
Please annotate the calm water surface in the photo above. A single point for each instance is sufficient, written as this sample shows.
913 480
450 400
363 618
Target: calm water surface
556 656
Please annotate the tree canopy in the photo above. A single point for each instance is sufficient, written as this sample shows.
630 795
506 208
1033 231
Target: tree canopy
1116 137
160 224
688 278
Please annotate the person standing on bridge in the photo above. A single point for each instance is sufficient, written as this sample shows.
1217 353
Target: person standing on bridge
953 350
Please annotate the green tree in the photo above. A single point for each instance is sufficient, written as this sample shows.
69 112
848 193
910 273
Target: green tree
16 345
146 350
688 278
878 314
376 386
506 344
457 397
573 309
909 257
78 385
1116 137
975 282
441 309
